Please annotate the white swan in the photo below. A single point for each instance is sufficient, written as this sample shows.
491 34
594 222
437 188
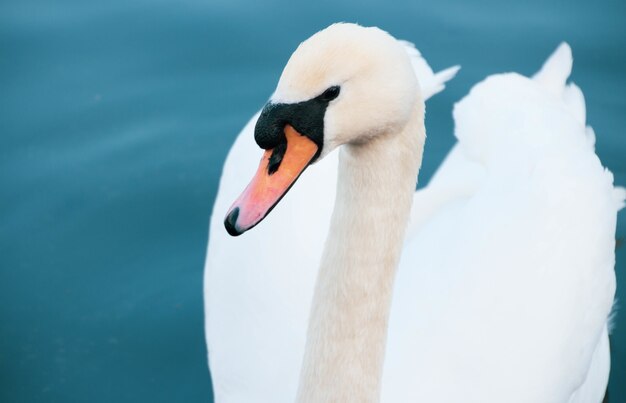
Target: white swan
506 278
256 308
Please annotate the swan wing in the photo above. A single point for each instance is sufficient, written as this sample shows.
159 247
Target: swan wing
505 287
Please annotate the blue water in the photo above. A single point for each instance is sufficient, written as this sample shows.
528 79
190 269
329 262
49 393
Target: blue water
115 119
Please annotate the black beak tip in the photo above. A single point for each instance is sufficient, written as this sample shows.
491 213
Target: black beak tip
230 222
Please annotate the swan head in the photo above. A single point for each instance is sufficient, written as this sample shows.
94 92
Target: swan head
346 84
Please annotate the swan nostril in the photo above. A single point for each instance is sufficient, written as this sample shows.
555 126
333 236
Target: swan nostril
230 222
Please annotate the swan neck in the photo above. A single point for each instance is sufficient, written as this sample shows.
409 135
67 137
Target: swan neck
348 324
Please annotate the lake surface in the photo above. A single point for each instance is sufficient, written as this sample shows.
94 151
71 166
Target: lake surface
115 119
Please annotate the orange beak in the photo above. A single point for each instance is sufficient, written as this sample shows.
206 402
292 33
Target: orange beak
270 183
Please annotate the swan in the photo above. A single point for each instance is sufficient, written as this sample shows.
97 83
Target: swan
504 261
256 311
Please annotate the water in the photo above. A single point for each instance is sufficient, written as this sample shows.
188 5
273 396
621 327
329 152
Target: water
115 119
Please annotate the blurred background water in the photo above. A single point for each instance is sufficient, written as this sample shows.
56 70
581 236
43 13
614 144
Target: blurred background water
115 119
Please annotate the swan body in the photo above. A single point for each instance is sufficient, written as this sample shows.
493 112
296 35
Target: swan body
506 278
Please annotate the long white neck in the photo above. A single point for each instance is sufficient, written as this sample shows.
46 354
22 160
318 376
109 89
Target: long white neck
347 331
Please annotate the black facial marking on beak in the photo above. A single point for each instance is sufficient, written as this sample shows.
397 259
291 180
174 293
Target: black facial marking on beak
306 117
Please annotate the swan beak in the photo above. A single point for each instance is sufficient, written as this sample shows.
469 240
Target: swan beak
280 167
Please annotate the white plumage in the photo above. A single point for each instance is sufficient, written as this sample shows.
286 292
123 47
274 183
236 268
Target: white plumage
506 279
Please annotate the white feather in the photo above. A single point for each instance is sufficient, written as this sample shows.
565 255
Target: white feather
431 83
507 280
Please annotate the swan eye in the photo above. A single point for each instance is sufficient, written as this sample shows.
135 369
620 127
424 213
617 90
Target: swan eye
330 94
